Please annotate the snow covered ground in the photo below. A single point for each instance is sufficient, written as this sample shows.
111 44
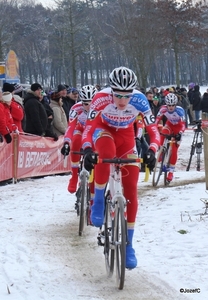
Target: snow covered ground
42 256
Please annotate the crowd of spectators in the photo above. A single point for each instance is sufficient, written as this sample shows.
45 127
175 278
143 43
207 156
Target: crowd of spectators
191 100
47 115
35 113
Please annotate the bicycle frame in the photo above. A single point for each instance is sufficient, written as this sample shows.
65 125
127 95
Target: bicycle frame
163 160
115 224
83 196
115 185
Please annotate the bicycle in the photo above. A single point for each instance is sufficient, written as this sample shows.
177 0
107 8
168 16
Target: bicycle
196 146
82 204
162 164
113 233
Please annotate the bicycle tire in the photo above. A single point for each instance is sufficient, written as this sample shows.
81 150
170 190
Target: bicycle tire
158 169
83 204
166 165
120 243
109 251
88 207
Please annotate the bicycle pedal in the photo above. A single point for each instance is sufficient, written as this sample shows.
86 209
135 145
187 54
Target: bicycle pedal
100 243
100 238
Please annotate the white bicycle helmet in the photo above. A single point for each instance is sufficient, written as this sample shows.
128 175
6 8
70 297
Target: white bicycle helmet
122 79
171 99
87 92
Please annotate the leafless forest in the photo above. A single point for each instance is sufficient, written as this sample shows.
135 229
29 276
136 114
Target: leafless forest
80 42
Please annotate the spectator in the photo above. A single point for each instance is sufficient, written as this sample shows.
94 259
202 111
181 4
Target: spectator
18 97
60 121
70 100
155 91
204 103
36 116
196 100
149 95
49 130
142 90
7 125
62 89
16 107
184 103
155 105
162 96
98 87
190 96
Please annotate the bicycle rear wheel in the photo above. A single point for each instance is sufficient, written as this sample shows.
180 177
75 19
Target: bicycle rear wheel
83 204
109 251
158 169
120 243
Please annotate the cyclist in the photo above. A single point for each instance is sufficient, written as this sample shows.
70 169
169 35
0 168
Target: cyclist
175 124
73 136
110 131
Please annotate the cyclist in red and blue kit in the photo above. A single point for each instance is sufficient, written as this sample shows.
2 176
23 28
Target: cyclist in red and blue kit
175 124
110 131
73 136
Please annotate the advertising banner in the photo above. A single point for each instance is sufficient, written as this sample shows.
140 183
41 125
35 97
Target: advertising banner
38 156
6 161
12 67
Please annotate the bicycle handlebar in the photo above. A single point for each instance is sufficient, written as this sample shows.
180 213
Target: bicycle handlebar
168 136
119 160
78 152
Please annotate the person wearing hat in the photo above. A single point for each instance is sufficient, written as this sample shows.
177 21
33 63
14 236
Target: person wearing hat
190 98
155 105
59 120
36 116
70 99
7 125
16 107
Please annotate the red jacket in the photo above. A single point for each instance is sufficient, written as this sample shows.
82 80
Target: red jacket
17 113
6 121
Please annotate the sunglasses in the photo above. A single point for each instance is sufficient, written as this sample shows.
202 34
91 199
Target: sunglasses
119 96
86 103
171 105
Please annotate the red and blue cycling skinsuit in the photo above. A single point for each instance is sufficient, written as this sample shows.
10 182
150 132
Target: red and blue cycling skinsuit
73 135
175 124
111 133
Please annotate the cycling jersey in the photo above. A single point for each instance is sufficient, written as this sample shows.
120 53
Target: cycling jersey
77 120
174 117
103 111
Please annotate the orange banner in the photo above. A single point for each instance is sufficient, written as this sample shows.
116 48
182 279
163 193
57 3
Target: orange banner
12 66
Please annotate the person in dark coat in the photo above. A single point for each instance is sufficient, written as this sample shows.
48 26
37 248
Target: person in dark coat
204 103
70 99
36 116
49 130
196 102
190 98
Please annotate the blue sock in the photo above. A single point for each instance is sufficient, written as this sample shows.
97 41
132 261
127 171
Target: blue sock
130 233
131 260
97 213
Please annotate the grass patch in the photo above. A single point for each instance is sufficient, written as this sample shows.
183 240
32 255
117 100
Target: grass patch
182 231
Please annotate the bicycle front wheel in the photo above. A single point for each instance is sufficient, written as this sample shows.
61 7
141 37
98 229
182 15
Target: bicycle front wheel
158 169
120 243
83 204
109 251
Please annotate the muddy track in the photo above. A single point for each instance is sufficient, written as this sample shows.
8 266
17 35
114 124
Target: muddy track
143 189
